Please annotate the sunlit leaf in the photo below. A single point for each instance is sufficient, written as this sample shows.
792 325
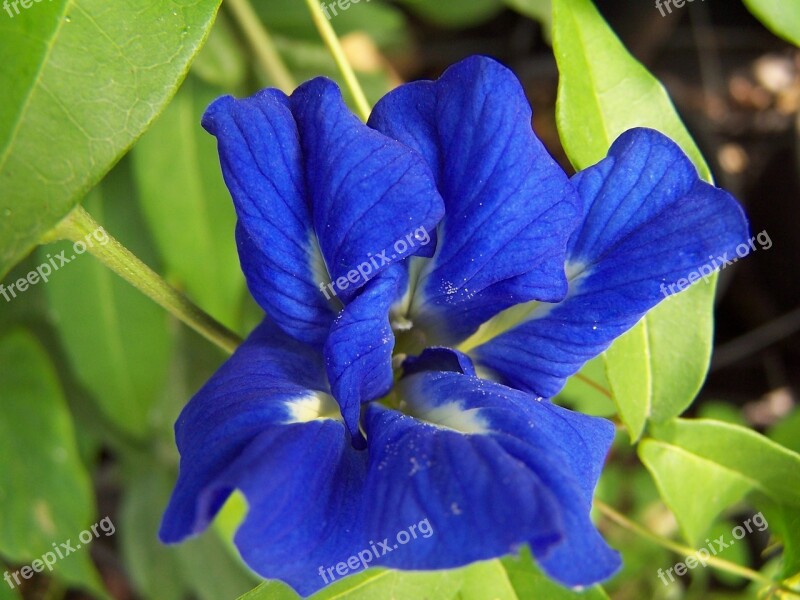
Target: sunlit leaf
81 80
719 463
779 16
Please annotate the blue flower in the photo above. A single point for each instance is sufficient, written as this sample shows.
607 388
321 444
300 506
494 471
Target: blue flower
395 384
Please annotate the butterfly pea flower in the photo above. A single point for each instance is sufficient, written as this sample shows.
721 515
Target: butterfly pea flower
420 392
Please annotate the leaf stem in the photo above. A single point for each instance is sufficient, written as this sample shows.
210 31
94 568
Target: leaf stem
335 47
680 549
79 226
261 42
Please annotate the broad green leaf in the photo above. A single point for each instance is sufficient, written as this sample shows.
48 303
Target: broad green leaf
187 206
375 584
152 567
487 579
502 579
116 339
201 567
771 468
604 91
81 80
382 584
538 10
271 590
683 477
719 463
45 491
779 16
529 582
588 391
656 369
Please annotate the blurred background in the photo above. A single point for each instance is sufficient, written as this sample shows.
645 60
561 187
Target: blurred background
120 368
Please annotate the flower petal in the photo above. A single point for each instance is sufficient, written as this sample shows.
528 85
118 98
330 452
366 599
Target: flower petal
509 206
262 163
318 194
358 351
264 424
439 359
302 485
649 222
479 462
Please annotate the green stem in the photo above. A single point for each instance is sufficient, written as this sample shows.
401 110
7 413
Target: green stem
680 549
79 224
335 47
261 43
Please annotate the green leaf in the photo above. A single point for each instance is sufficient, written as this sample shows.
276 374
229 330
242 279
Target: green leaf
374 584
529 582
45 492
683 477
487 579
656 369
271 590
719 463
200 568
771 467
604 91
779 16
502 579
116 340
153 567
382 584
187 206
588 391
82 80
